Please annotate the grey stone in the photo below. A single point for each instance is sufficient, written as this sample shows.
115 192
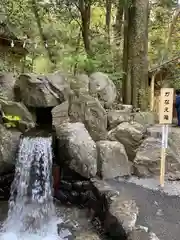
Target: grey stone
115 117
60 114
78 148
7 82
88 235
80 83
102 188
9 142
130 135
43 91
112 160
17 109
147 160
125 211
145 118
87 109
120 213
102 86
142 233
124 107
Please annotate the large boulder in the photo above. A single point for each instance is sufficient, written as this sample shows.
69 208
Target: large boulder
115 117
42 91
80 83
9 142
148 156
77 148
119 212
7 81
17 109
112 160
102 86
87 109
130 135
60 114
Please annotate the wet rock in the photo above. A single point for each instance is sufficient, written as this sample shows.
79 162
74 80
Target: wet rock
147 160
124 211
66 185
102 86
130 135
9 142
117 212
86 109
60 114
78 149
43 91
17 109
5 186
142 233
115 117
101 188
112 160
7 82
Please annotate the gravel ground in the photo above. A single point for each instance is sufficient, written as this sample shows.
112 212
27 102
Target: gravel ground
159 210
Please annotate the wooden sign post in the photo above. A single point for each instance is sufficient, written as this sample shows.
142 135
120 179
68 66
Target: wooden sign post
165 118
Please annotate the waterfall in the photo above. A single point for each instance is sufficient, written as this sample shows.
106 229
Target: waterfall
31 212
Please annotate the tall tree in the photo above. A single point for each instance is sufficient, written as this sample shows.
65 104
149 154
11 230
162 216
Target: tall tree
137 38
108 18
85 11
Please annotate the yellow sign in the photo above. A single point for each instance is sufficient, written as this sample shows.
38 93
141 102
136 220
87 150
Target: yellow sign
166 106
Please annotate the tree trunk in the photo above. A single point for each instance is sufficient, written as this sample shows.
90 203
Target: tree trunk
126 86
42 35
108 18
171 28
137 52
85 11
119 22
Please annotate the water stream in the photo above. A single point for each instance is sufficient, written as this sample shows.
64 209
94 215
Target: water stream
31 213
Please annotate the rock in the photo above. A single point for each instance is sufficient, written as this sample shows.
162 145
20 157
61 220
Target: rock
115 117
142 233
130 135
17 109
120 212
9 142
60 114
124 107
145 118
80 83
88 235
125 211
87 109
147 160
102 86
7 81
101 188
78 148
43 91
112 160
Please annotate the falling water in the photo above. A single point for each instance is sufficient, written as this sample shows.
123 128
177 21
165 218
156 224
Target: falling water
31 212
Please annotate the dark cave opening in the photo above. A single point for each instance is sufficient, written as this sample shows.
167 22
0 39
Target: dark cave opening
43 116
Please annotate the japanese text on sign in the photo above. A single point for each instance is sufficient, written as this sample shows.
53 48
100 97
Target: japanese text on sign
166 106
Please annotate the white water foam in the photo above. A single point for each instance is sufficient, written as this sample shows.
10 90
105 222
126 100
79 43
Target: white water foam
31 212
